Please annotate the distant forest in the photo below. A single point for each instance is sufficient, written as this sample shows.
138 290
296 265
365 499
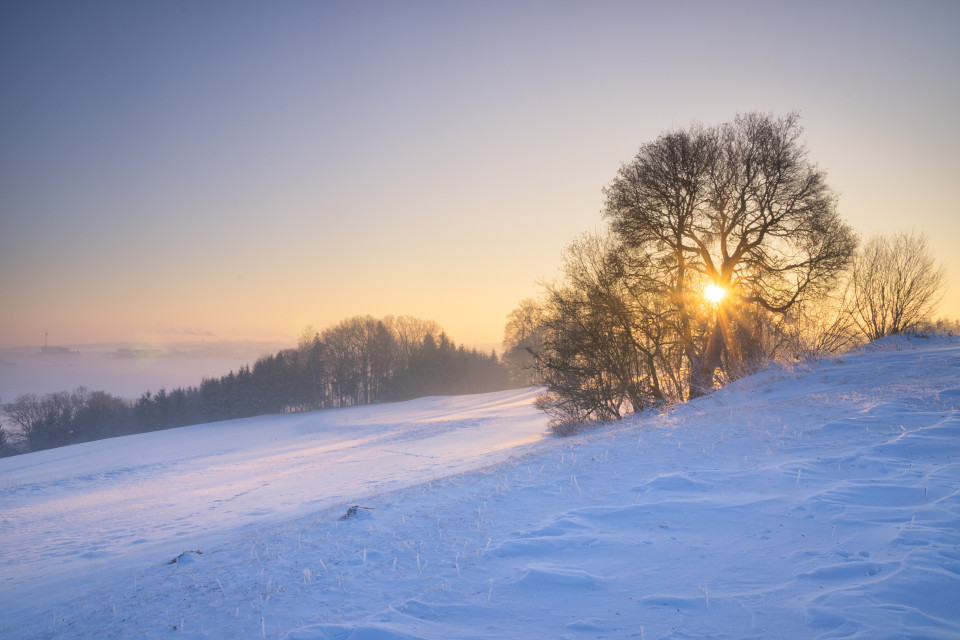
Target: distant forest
361 360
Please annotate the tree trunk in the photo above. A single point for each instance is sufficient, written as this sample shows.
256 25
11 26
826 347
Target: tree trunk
702 372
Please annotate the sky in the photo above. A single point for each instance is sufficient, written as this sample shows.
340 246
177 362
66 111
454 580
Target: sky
233 170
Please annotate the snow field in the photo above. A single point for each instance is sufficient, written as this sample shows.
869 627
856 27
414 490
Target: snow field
816 502
72 516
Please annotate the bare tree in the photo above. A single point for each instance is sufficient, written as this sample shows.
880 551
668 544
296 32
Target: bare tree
897 284
943 326
523 338
739 207
6 445
603 347
818 326
409 332
360 352
6 449
45 422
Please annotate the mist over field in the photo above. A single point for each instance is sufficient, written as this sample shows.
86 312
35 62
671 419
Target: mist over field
126 370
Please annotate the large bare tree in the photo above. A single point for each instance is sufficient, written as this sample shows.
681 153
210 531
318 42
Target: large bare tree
741 207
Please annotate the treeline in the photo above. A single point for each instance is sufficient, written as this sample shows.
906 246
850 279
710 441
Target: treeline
57 419
361 360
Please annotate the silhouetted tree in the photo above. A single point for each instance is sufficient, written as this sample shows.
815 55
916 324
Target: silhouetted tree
43 422
896 284
99 415
62 418
409 333
6 443
523 338
943 326
819 326
6 446
604 348
739 206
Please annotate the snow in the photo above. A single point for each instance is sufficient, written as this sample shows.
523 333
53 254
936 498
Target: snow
814 501
84 509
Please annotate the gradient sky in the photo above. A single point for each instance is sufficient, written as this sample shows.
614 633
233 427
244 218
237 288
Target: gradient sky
234 170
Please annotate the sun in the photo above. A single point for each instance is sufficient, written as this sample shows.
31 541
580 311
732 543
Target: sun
714 293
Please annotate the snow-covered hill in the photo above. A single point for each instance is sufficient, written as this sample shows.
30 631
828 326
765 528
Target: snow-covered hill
818 501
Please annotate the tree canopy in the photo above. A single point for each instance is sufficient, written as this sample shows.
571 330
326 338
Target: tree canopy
715 235
739 206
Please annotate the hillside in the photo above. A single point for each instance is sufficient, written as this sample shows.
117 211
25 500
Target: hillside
817 501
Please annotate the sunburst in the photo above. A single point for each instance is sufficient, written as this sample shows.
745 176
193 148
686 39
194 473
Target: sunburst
714 293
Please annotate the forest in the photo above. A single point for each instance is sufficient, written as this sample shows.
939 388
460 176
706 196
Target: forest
361 360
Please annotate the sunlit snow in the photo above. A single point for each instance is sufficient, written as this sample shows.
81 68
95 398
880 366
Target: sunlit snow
815 501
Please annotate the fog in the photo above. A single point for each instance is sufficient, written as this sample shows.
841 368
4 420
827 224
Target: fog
123 369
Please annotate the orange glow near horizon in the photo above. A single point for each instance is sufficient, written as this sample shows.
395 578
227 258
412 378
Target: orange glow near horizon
183 182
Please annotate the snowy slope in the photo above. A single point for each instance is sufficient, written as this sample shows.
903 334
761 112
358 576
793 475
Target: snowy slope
71 514
821 501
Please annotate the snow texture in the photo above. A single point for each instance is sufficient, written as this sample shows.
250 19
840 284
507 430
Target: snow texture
814 501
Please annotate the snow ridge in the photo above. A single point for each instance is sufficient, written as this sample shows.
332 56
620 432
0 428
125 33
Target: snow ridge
818 502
